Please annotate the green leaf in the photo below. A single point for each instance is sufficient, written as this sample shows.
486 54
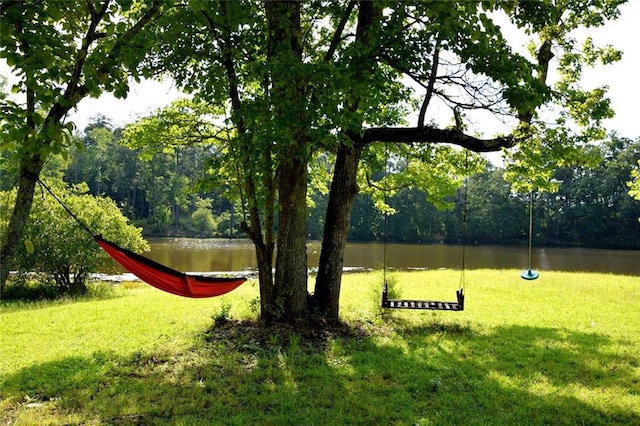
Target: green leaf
28 245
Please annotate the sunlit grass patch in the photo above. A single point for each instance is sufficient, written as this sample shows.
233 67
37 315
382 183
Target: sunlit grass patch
560 350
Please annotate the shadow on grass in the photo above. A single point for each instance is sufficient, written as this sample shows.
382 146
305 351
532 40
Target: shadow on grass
430 374
36 300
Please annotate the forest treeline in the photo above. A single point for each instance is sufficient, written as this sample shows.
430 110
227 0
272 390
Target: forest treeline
163 194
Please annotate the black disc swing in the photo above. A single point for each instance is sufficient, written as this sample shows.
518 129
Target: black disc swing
530 274
433 305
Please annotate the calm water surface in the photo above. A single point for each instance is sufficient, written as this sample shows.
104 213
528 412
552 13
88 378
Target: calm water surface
204 255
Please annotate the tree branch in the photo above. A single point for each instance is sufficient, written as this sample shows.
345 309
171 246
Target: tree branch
75 92
431 83
410 135
337 36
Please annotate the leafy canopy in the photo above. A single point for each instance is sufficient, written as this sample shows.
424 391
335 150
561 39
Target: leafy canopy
60 52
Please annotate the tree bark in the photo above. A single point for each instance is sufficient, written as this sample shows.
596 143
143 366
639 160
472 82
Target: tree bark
30 169
261 234
434 135
288 97
291 260
337 220
264 254
343 185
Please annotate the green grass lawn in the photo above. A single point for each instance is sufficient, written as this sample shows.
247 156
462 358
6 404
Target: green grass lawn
564 349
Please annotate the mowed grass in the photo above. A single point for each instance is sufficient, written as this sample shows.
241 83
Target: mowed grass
564 349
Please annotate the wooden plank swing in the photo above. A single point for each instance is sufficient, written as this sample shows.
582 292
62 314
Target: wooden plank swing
433 305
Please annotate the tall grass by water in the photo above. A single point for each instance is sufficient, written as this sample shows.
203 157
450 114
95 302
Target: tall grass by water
560 350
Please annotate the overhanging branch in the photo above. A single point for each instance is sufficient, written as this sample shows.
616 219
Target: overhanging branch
434 135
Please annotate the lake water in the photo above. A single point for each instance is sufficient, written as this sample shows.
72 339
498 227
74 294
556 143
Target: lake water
223 255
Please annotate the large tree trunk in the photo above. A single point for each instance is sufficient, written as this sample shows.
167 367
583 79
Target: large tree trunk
291 260
343 185
264 255
30 169
261 234
338 217
288 98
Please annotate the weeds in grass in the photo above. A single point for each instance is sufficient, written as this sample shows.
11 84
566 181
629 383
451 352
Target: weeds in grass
133 285
388 283
254 306
222 315
101 290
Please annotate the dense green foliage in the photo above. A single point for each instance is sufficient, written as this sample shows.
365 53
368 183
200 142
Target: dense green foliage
59 53
162 193
55 246
591 206
147 357
634 184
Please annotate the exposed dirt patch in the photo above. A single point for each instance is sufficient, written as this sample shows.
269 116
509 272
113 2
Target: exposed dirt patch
313 334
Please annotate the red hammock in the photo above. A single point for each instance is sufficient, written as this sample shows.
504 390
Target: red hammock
168 279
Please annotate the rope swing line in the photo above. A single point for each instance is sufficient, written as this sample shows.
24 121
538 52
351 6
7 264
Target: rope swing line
530 274
385 221
154 273
530 225
465 189
421 304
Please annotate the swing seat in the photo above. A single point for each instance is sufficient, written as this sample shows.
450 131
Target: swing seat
529 274
424 304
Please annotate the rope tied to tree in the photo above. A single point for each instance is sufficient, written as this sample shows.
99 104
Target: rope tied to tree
67 209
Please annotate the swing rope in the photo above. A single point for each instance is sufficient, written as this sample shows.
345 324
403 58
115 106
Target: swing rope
465 220
385 221
530 226
530 274
423 304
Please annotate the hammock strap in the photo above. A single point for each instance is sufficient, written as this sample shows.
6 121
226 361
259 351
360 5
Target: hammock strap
64 206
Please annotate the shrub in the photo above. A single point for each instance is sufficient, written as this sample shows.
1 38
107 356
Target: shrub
30 287
37 287
55 244
223 315
203 222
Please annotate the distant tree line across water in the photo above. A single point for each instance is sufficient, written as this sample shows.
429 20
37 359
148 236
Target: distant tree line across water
162 194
